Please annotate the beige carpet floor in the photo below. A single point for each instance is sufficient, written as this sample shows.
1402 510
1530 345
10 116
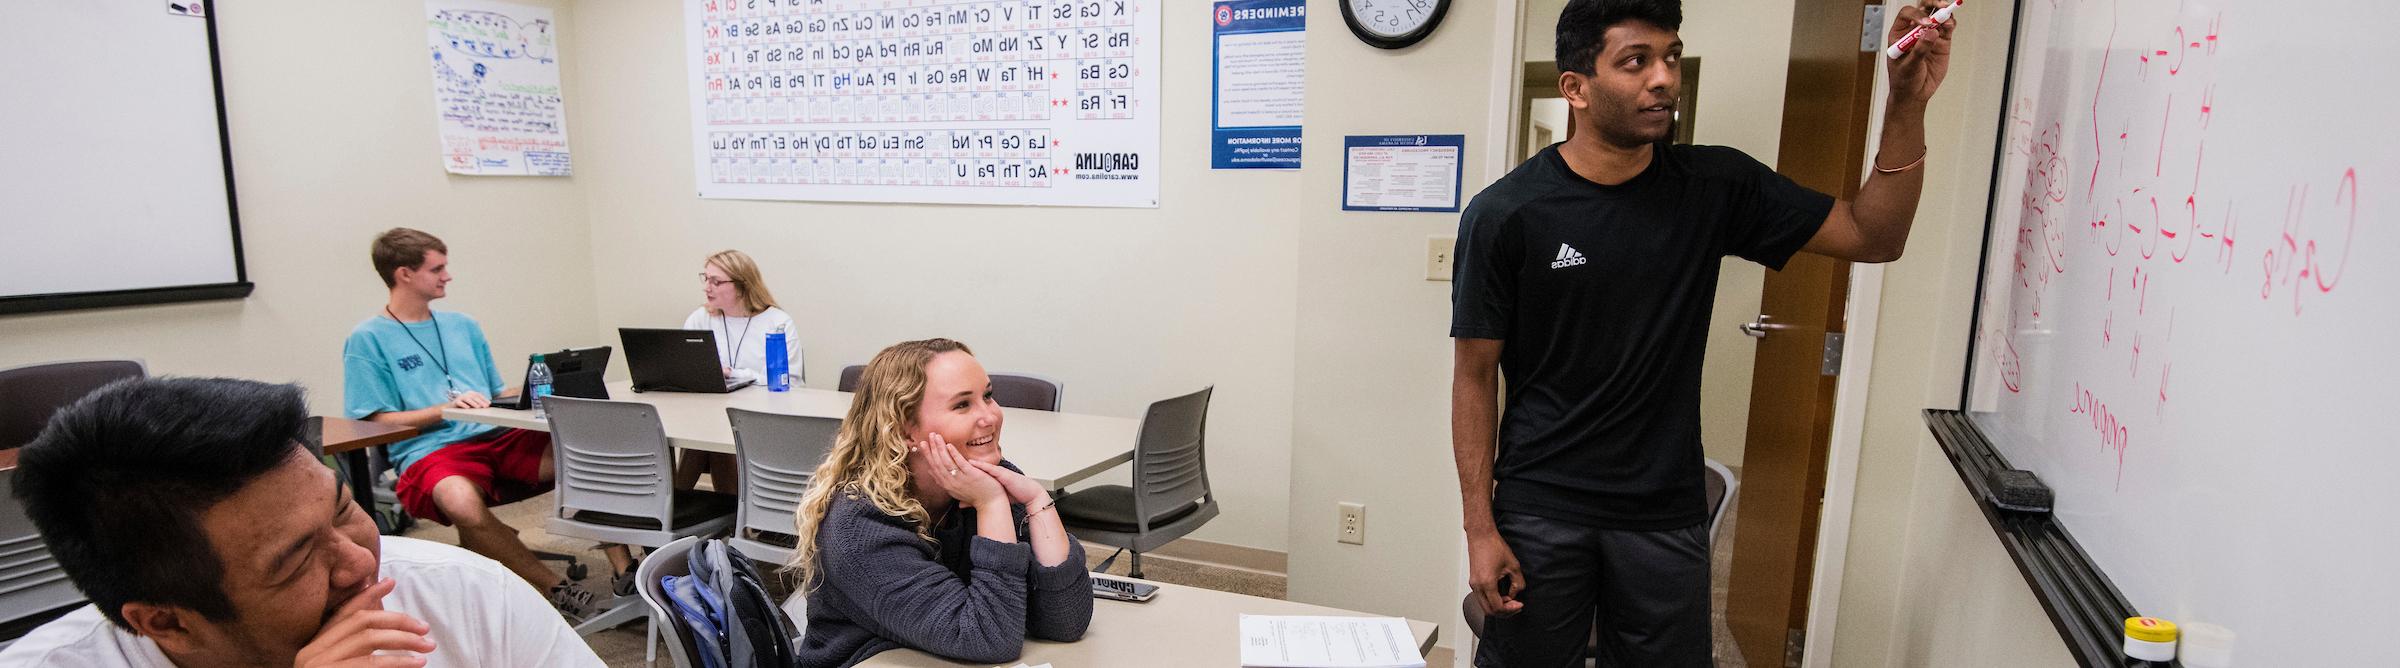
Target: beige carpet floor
623 647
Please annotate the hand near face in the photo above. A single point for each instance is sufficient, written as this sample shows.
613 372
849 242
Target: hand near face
1021 489
957 475
360 628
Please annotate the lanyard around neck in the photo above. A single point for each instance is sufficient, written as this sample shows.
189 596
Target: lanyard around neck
441 361
733 358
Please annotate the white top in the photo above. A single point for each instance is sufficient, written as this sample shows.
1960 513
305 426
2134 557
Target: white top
480 614
742 341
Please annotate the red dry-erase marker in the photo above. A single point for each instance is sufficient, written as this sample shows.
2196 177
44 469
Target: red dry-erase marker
1909 40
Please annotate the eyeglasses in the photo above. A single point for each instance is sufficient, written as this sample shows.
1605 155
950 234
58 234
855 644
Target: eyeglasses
712 281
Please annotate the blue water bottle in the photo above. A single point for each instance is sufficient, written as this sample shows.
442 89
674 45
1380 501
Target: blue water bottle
778 361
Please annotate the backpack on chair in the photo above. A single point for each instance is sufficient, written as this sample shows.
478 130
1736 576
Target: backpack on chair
755 631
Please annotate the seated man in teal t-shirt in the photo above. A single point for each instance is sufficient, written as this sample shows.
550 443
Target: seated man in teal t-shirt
407 364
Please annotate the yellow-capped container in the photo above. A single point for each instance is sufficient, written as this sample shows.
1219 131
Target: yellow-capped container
2149 639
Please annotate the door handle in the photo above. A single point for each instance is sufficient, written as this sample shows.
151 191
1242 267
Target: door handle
1757 329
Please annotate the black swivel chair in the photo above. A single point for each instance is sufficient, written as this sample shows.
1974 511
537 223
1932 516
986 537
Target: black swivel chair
30 394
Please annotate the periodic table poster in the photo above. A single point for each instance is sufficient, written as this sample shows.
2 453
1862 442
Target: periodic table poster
1029 102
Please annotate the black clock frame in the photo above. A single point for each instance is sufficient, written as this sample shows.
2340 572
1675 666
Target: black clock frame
1440 9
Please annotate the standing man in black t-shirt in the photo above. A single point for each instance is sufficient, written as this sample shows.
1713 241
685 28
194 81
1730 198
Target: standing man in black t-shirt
1586 275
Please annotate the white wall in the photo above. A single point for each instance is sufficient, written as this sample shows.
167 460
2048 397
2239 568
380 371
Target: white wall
330 110
1372 378
1127 306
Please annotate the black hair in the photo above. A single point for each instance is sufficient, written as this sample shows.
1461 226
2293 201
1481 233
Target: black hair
117 483
1582 23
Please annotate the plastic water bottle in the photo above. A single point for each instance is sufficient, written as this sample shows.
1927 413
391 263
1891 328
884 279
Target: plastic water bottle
537 384
778 361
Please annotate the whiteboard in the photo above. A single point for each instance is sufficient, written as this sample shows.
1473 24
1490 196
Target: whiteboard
1047 102
115 176
2187 310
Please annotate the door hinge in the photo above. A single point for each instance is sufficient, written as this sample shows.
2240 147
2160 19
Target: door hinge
1870 30
1833 355
1793 641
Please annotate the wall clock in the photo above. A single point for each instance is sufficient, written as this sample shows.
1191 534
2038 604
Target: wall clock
1393 24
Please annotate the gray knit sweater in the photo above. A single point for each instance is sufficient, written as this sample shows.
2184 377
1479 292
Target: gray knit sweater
964 597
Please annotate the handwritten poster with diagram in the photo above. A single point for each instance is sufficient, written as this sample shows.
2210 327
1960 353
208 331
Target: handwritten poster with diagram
495 88
1030 102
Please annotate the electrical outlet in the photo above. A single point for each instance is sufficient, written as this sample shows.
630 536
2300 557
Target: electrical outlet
1354 523
1437 257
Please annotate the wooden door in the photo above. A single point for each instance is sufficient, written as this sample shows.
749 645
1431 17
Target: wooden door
1826 103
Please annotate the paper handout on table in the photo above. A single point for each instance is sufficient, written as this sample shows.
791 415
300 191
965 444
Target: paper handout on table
1277 641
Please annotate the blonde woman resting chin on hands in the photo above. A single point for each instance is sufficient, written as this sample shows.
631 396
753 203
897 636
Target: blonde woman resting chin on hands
917 533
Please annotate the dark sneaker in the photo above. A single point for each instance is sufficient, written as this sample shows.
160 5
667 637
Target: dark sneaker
628 582
573 601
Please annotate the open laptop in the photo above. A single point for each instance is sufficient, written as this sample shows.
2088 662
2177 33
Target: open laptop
573 373
675 360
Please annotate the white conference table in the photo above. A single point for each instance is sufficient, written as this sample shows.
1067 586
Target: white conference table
1182 626
1055 449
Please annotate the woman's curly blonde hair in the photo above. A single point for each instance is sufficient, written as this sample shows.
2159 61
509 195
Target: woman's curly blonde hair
870 455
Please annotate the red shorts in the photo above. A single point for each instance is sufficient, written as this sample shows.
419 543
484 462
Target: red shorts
505 463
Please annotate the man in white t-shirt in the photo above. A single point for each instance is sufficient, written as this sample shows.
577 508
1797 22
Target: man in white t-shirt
206 534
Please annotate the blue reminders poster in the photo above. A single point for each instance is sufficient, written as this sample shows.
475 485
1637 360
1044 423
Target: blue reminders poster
1259 58
1402 172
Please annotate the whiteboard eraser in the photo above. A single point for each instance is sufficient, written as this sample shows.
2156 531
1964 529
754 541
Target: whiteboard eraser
2020 490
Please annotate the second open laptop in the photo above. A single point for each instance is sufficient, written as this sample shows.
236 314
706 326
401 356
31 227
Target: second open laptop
573 373
675 360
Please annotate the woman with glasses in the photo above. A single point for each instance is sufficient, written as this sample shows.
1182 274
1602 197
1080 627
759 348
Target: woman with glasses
740 310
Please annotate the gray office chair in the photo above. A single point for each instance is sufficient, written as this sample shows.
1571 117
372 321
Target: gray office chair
779 455
30 394
1721 488
1717 482
1024 390
1014 390
1170 495
33 590
616 484
673 558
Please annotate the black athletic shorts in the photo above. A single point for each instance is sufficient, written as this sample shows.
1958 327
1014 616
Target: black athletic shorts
1646 592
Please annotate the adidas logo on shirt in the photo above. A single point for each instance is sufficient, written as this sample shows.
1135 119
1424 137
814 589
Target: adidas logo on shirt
1567 257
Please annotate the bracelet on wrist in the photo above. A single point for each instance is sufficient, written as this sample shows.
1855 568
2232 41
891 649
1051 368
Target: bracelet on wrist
1880 169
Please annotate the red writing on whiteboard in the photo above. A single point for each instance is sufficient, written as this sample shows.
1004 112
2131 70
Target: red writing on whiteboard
2300 261
2114 435
2099 92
